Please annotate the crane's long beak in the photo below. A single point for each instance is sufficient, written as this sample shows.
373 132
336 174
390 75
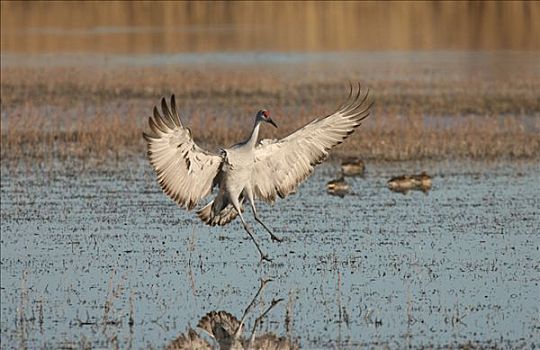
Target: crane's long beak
269 120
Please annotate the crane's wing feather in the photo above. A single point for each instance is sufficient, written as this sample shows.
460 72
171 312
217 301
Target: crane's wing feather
281 165
185 171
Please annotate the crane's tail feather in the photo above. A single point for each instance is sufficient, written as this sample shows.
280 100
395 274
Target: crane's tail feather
212 216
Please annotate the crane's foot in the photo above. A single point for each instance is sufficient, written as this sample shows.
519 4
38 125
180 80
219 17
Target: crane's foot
275 238
264 258
272 235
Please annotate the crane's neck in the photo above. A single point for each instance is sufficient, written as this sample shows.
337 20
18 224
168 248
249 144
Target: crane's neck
252 141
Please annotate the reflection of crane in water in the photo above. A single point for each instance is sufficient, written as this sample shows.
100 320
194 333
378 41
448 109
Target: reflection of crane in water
250 169
226 330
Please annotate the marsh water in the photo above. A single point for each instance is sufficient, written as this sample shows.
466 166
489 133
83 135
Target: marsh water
103 258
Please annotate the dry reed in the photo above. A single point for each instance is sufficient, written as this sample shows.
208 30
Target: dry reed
177 26
98 116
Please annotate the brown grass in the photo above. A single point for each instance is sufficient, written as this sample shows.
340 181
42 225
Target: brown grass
98 115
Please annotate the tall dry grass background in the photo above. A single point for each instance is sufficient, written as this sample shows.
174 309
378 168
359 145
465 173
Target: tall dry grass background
174 26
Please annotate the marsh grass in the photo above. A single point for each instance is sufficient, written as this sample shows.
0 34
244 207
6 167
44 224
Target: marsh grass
98 115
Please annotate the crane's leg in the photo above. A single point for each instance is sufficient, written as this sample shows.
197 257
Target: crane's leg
272 236
236 205
249 195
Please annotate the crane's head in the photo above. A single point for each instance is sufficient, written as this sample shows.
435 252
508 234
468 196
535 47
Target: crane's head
264 115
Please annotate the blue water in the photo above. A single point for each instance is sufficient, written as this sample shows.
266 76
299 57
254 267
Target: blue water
447 62
458 265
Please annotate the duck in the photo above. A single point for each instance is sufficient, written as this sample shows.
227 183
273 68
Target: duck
338 187
353 167
404 183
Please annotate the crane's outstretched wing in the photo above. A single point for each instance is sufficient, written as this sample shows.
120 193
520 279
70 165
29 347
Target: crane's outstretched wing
281 165
185 171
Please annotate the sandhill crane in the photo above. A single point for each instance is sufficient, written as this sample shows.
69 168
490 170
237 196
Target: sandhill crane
251 169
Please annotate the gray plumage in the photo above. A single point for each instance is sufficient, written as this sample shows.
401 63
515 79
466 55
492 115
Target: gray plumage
249 170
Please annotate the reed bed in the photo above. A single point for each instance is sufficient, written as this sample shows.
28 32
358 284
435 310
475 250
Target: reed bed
254 25
98 115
